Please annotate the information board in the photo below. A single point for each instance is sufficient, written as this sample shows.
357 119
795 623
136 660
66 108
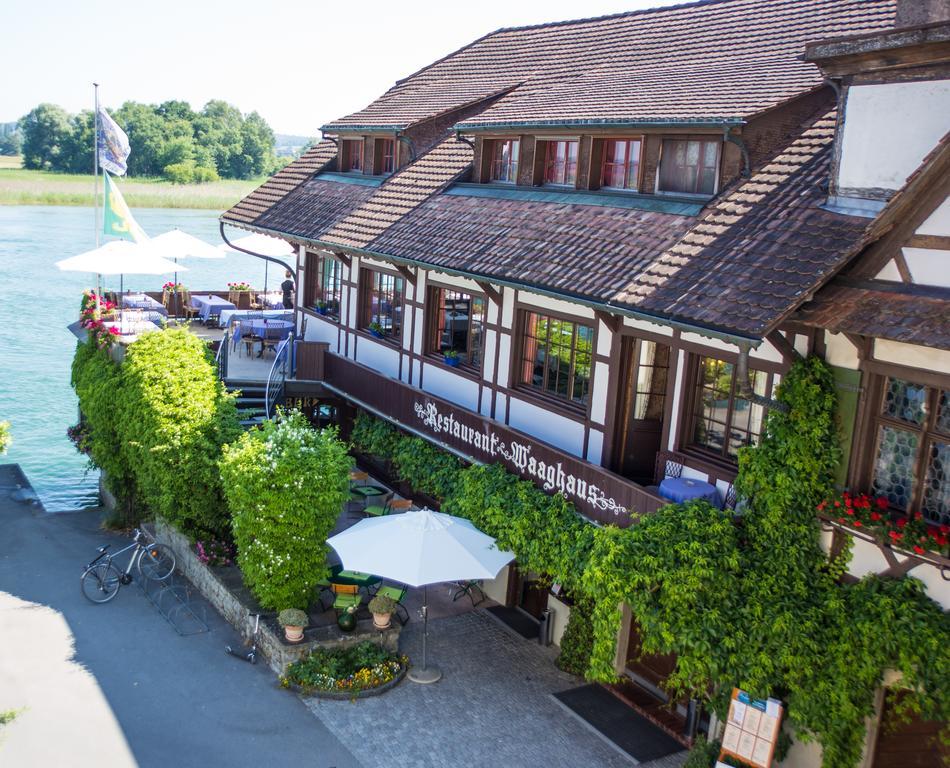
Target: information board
752 729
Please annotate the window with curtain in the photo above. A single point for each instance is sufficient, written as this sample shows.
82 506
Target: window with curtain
621 164
324 285
556 357
381 306
724 421
504 166
911 457
560 164
352 155
689 166
457 322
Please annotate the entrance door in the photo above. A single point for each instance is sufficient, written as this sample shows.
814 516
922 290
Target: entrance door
914 744
641 407
526 593
651 670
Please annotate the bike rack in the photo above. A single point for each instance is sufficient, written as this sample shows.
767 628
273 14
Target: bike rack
172 598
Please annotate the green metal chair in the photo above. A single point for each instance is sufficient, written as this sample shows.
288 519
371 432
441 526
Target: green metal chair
391 505
396 594
347 596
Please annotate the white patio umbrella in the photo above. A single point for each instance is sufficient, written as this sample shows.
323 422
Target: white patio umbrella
420 548
116 258
265 245
176 245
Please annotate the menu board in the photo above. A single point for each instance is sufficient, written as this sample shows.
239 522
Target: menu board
752 728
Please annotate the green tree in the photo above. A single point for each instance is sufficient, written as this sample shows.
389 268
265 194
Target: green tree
45 131
77 155
146 132
258 142
286 484
10 139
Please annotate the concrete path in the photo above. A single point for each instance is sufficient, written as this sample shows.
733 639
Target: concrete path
173 700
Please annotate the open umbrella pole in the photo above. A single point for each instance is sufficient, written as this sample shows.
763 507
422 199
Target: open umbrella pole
427 674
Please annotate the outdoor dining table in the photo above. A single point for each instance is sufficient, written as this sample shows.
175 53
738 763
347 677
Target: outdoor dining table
265 326
142 301
208 305
227 315
681 489
368 491
352 578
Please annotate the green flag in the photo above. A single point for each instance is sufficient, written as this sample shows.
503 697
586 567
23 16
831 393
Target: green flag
118 220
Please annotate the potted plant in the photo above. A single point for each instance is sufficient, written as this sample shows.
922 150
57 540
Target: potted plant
347 619
451 357
375 329
321 307
382 608
293 620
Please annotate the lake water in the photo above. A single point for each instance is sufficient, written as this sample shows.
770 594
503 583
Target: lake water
38 302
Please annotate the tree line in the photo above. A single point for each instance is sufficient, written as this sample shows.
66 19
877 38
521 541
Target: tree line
169 140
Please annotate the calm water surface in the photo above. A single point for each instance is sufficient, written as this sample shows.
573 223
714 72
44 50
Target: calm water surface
38 302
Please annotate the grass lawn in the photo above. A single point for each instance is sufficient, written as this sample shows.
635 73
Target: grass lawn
22 187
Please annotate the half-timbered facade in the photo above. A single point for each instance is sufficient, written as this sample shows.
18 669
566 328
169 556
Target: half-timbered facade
609 254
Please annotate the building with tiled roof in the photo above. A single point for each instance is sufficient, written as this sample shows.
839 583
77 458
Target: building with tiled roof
605 241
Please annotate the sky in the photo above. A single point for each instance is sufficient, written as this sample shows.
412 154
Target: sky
299 64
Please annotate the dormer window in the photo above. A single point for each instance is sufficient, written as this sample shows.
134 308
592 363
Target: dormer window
689 166
560 164
352 155
504 166
621 164
385 155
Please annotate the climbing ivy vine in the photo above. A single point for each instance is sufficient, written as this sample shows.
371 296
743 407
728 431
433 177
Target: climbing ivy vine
754 603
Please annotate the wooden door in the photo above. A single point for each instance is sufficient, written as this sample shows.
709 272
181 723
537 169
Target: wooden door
526 593
913 744
641 408
652 669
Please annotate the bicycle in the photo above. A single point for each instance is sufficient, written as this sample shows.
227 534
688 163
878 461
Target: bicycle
100 580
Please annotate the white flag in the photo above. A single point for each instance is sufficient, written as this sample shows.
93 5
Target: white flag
113 145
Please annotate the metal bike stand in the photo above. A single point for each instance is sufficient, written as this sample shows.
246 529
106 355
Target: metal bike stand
172 598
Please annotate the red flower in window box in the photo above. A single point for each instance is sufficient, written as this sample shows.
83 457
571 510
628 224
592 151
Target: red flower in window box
902 522
875 516
919 550
881 502
945 529
896 536
856 523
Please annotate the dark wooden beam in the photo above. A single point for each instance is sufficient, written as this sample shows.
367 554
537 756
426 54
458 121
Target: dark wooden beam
613 322
936 242
490 291
407 273
783 345
342 258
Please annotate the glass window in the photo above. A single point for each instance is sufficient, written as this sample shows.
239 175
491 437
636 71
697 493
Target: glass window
382 303
689 166
352 155
556 357
621 164
560 165
324 285
723 420
504 165
911 459
458 324
387 155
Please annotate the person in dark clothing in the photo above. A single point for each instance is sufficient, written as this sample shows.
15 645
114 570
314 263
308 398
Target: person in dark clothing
288 289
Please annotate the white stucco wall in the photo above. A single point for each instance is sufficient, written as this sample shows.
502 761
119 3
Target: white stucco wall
450 386
888 130
380 357
911 355
321 330
938 223
560 432
928 266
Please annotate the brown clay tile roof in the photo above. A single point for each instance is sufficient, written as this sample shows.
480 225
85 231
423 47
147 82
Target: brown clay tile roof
281 183
580 250
885 314
711 61
312 207
401 193
759 251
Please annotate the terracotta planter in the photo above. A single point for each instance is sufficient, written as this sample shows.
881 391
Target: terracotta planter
382 620
293 634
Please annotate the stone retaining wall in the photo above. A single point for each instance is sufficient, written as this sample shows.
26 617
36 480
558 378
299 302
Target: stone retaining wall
271 646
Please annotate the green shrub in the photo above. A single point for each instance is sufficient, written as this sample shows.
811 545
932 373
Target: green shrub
180 173
577 642
5 438
286 484
204 173
360 667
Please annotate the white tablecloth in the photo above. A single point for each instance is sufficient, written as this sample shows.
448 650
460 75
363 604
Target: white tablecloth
229 314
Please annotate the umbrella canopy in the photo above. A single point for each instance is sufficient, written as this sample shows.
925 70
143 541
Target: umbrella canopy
262 244
418 548
119 257
176 244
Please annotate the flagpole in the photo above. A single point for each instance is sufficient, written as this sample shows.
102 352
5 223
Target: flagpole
95 175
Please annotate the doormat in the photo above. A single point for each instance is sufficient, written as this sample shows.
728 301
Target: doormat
617 723
519 621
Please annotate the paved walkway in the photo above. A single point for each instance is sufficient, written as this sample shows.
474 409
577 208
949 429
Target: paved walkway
178 701
492 708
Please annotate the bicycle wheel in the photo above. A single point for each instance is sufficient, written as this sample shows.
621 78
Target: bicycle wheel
156 562
100 582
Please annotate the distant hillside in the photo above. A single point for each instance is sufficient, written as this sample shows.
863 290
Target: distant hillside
286 145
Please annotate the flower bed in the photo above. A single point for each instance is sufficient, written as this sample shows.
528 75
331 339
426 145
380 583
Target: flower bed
346 672
911 532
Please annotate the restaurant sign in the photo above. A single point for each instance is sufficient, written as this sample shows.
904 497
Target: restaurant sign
488 446
596 492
